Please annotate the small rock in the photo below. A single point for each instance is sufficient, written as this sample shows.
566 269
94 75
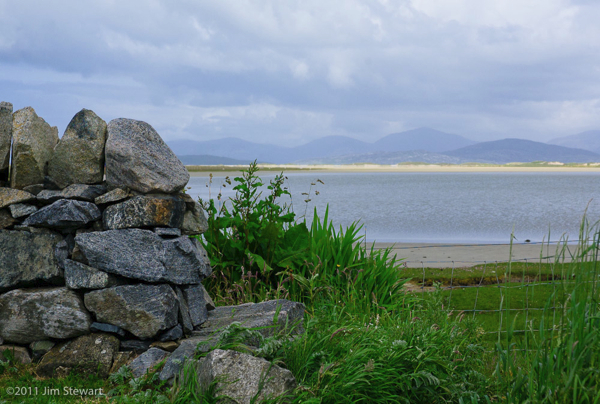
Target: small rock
81 276
143 310
80 192
21 209
20 354
89 354
145 211
64 214
135 345
29 259
79 155
184 313
9 196
34 189
194 221
194 297
147 361
167 232
121 359
115 195
33 144
175 362
173 334
47 196
168 346
28 315
61 251
108 328
137 158
40 348
6 219
242 377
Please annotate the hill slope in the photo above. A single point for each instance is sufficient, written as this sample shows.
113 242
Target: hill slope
589 140
519 150
426 139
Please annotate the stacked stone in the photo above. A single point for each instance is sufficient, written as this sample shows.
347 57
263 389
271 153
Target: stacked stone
94 241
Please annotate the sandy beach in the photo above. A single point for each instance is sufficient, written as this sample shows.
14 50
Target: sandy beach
430 255
220 171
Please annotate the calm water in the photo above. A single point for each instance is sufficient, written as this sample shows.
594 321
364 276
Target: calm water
445 207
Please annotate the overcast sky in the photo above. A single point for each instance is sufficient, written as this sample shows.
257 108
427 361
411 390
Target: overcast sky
290 71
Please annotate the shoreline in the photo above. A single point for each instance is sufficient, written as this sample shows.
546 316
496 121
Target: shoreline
447 255
203 171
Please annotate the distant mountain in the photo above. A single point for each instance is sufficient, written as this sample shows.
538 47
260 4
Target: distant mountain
208 160
519 150
426 139
589 140
414 156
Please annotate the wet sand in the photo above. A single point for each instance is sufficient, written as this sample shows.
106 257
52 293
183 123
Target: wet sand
417 255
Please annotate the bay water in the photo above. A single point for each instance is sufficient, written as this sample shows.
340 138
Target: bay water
474 207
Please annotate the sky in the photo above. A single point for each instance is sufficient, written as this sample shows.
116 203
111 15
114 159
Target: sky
289 71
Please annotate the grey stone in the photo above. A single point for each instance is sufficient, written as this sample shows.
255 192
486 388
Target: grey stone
146 361
6 109
289 316
79 155
184 313
6 219
9 196
145 211
194 298
143 310
21 209
20 354
115 195
28 259
89 354
40 348
135 345
64 214
141 254
210 305
175 362
242 377
137 158
194 221
81 276
34 189
167 232
108 328
173 334
82 192
61 251
33 144
28 315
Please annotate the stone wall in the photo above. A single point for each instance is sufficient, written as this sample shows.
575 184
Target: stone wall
97 264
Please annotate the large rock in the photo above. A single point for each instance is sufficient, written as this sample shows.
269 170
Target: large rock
145 211
9 196
197 305
33 144
143 310
64 214
28 315
270 317
137 158
6 109
89 354
81 276
141 254
28 259
146 361
79 156
242 377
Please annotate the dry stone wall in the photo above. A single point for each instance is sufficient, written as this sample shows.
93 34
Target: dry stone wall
97 264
